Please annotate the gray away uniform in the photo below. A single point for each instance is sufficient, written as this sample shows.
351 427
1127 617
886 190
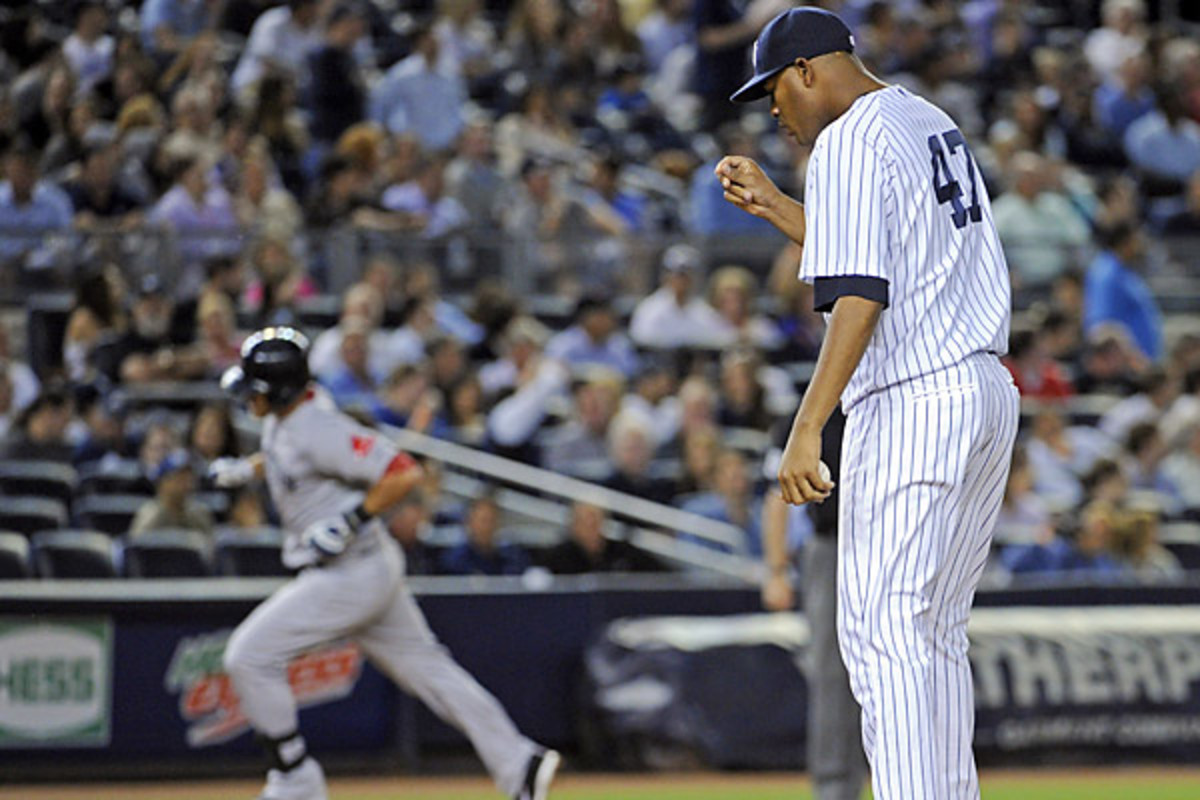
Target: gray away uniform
319 463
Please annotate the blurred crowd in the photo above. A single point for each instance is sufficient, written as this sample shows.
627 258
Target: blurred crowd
246 135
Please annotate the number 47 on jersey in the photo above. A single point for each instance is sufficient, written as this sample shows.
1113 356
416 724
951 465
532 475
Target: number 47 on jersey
946 185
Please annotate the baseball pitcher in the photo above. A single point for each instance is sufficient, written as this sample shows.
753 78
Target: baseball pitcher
904 258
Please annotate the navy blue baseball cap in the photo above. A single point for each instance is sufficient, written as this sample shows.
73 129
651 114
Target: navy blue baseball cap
798 33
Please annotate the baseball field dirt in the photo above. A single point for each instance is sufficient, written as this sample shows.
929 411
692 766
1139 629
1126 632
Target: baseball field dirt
1115 784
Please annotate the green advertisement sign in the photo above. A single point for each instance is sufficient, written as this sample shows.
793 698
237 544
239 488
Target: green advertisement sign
55 682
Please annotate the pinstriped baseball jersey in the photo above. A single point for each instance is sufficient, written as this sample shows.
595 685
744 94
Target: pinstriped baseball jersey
319 463
892 198
896 212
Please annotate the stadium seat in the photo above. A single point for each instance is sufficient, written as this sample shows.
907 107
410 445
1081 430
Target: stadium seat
250 552
595 470
28 515
73 554
216 502
108 513
187 396
121 477
320 312
46 323
38 478
748 441
14 556
1188 553
665 469
168 553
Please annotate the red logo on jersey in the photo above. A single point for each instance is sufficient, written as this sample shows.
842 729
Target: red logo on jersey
361 445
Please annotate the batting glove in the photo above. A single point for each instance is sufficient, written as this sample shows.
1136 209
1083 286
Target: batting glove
329 537
231 473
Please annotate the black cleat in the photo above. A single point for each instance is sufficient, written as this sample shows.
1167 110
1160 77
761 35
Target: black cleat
539 775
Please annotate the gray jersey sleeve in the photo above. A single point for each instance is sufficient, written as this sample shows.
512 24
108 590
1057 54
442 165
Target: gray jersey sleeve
347 451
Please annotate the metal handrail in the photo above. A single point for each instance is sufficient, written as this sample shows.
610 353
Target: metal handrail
648 514
545 481
664 545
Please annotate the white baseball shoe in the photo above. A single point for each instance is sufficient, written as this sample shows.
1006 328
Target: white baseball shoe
539 775
305 782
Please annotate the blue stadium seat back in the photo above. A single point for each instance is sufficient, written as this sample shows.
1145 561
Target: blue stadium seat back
28 515
73 554
665 469
168 553
185 397
38 478
748 441
1188 553
253 552
15 560
109 513
319 312
120 477
46 324
217 503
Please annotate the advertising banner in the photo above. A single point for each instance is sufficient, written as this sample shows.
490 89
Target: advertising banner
1109 678
55 682
210 706
144 690
1109 681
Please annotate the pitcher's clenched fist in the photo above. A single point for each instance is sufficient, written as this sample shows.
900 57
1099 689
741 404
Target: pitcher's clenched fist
748 187
803 477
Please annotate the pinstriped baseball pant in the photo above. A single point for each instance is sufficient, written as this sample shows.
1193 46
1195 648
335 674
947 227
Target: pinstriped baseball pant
924 465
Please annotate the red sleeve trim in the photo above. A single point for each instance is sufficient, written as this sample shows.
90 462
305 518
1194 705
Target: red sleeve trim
401 463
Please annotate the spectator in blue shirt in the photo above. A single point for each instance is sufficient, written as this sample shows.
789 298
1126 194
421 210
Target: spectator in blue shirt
424 203
199 211
612 209
667 27
1165 144
1119 104
595 339
354 383
1115 294
30 209
1090 552
481 554
624 93
407 400
417 97
98 193
168 25
731 500
1146 451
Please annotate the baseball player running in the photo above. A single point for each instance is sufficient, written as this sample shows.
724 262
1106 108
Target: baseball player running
905 261
329 478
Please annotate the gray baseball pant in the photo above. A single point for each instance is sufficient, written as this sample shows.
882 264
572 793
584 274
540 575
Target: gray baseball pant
836 763
364 598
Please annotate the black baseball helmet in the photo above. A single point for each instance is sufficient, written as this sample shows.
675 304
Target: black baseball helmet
274 364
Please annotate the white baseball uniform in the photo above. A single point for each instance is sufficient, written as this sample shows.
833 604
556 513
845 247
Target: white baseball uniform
319 462
897 212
